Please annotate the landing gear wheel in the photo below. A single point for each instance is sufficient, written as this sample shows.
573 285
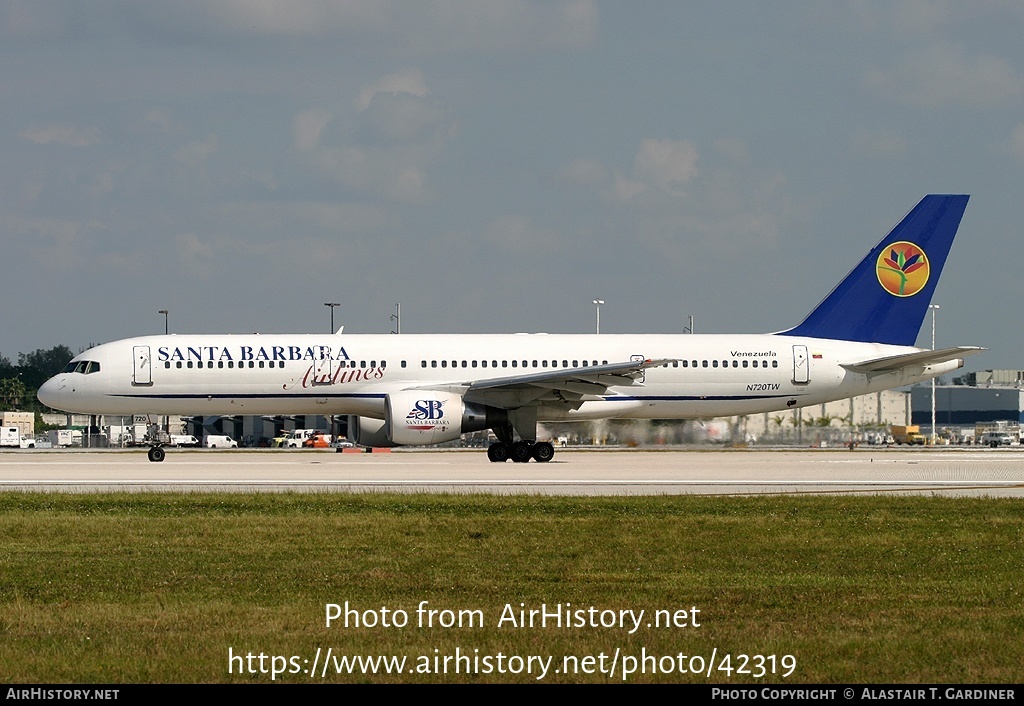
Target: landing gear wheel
497 452
522 451
543 452
156 454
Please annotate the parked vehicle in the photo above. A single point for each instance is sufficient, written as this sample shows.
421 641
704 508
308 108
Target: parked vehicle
909 435
10 436
297 437
219 441
317 441
184 440
996 439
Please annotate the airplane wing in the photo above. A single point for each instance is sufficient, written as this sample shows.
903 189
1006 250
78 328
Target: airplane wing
895 362
561 385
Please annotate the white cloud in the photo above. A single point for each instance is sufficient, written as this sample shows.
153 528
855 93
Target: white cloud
626 189
409 81
64 134
307 128
946 75
666 164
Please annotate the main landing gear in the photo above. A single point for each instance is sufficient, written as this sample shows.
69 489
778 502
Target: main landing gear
156 454
520 452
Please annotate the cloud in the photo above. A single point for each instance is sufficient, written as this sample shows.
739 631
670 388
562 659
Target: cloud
307 128
946 75
409 81
666 164
63 134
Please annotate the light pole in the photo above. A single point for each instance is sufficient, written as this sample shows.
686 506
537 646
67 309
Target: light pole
332 305
165 312
598 303
397 318
934 308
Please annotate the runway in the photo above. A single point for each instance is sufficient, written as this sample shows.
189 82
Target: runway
944 471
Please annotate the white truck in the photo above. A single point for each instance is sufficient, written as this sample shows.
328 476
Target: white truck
10 436
65 437
184 440
219 441
296 437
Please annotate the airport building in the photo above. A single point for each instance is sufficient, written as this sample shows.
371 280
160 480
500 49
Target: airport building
984 396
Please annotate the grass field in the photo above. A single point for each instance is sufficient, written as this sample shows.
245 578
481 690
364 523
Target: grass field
160 587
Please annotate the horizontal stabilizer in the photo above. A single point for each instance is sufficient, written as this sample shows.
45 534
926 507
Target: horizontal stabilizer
895 362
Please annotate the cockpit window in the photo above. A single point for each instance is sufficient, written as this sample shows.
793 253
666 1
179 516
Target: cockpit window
82 366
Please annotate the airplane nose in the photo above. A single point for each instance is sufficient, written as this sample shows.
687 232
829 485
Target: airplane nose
49 393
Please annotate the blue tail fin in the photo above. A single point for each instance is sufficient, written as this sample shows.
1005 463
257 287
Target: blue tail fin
885 298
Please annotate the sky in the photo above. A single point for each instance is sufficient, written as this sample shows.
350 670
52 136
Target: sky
496 166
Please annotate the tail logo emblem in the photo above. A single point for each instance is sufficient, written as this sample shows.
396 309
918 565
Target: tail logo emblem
903 269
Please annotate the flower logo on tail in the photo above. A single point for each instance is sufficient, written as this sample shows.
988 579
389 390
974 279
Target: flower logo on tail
903 269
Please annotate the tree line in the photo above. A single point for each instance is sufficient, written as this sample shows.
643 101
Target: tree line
20 381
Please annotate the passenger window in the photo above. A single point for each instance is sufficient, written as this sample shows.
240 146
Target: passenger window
775 363
746 363
714 364
704 363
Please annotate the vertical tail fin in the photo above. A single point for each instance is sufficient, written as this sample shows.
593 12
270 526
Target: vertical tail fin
885 298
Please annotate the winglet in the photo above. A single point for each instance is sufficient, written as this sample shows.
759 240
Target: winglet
885 298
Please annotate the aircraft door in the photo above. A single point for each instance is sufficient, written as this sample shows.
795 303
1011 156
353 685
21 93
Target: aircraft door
142 366
322 371
801 366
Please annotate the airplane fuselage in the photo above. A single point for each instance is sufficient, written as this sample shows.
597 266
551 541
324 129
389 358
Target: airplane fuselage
704 375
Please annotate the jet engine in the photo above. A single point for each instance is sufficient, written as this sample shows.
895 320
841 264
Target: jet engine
367 431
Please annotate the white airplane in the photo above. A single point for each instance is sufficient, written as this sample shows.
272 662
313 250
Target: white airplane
412 390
